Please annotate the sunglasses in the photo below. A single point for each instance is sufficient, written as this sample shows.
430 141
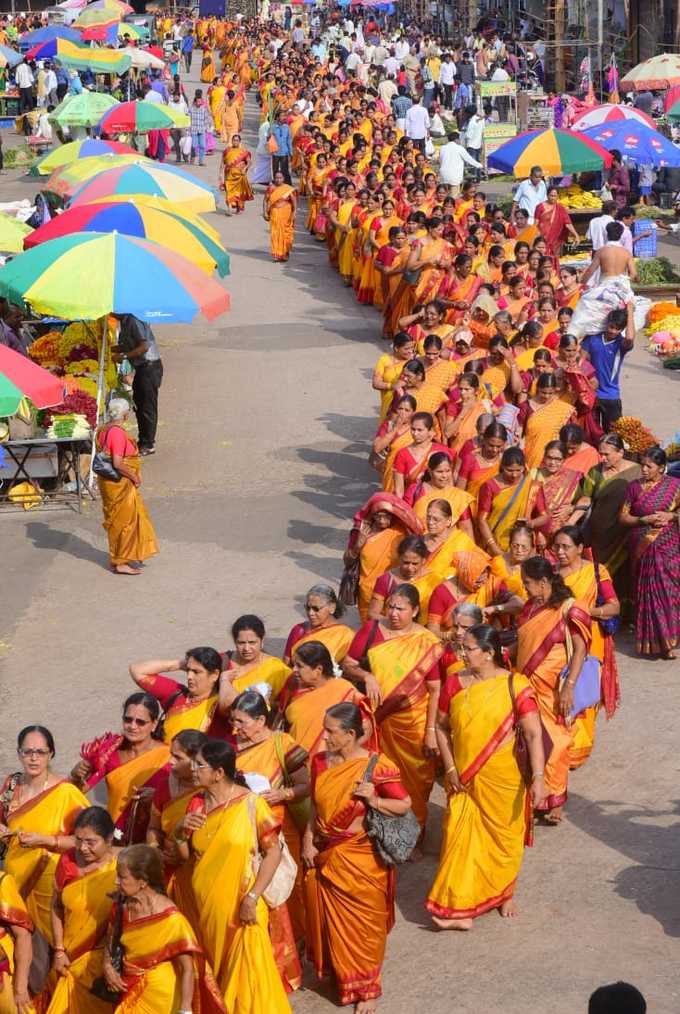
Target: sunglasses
139 722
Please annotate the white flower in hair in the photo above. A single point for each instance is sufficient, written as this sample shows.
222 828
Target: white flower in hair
337 671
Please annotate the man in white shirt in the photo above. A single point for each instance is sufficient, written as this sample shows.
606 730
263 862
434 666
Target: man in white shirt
380 54
391 64
452 159
474 133
23 76
530 193
447 76
352 62
387 89
51 86
597 230
401 50
417 124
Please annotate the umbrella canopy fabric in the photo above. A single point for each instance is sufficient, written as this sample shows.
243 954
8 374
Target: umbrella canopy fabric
69 178
136 117
40 35
101 61
112 5
12 234
84 110
637 143
555 151
9 57
89 147
125 28
141 59
662 71
673 110
97 17
152 178
86 276
151 220
22 378
610 113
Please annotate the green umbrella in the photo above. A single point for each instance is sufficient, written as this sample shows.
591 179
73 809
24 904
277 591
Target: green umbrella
84 110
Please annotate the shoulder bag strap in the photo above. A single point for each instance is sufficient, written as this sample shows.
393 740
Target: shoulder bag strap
569 640
513 699
370 767
281 757
363 662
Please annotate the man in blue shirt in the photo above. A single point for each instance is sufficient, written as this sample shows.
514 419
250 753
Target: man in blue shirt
606 352
284 142
188 50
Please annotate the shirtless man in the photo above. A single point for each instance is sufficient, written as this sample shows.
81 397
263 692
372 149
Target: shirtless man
612 259
613 270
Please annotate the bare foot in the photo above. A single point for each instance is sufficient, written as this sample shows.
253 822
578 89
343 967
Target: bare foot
508 909
366 1007
553 817
452 924
669 656
124 568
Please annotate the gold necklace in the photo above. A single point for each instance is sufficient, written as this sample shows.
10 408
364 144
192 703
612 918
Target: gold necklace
211 834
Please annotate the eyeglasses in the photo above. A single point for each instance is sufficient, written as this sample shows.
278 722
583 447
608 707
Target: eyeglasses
34 753
197 766
139 722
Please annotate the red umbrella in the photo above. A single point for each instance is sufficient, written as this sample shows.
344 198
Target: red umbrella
154 50
22 378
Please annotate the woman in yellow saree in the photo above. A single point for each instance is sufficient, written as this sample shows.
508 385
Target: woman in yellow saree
398 659
542 656
412 569
193 705
378 529
443 539
437 484
349 891
225 827
390 263
506 499
128 767
81 908
131 535
163 964
488 821
431 259
280 205
591 584
16 950
508 566
483 461
276 757
388 369
543 417
462 428
208 69
323 609
341 219
249 666
216 95
310 691
234 175
37 810
230 118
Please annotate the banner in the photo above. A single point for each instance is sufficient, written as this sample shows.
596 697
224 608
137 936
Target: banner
493 89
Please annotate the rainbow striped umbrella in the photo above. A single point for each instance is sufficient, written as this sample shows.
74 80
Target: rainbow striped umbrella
40 35
69 178
557 152
87 275
100 61
137 118
88 147
610 113
150 218
153 179
20 378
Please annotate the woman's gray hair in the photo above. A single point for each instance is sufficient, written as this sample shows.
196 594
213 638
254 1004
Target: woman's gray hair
324 591
471 610
118 408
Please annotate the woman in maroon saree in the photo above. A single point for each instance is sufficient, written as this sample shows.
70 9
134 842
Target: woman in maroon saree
651 511
554 223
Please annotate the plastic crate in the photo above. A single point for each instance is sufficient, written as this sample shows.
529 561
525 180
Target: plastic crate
647 246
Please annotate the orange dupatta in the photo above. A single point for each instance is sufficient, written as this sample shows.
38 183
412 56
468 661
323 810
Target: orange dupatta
123 780
307 706
337 637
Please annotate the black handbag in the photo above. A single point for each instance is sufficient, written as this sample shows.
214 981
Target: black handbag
393 838
349 584
103 467
99 987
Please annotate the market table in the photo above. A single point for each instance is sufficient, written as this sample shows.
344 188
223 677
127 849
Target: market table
9 105
37 458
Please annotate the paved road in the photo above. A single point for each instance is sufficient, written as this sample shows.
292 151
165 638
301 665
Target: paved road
266 417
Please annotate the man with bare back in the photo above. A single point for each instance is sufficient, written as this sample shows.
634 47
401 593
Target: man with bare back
613 270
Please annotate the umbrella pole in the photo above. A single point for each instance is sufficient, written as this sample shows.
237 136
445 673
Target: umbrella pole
103 322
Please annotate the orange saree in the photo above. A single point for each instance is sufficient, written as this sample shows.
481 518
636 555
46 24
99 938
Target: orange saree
304 709
281 220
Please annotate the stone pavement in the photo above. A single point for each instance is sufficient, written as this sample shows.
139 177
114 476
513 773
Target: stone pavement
266 419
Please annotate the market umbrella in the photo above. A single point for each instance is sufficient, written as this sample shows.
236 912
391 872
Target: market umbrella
673 110
138 32
96 17
662 71
637 143
112 5
610 113
71 54
557 152
84 110
40 35
66 180
141 59
9 57
89 275
88 147
21 378
154 50
151 178
137 117
12 234
154 219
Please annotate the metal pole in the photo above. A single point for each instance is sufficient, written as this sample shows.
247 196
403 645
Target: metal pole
600 44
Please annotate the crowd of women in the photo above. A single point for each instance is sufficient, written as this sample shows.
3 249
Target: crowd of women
489 573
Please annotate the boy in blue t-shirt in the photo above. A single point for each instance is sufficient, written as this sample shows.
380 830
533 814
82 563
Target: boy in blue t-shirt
606 352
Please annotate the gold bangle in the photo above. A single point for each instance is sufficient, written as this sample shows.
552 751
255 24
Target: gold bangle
449 770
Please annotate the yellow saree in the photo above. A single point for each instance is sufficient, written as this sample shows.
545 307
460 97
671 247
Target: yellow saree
186 714
281 220
307 706
87 909
457 499
269 670
129 529
542 426
403 666
241 956
509 504
485 826
337 637
12 913
122 781
236 185
51 812
441 560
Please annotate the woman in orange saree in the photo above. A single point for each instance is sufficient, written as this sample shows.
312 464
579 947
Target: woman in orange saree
412 569
506 499
361 266
378 529
488 819
316 182
16 950
349 891
411 461
471 581
390 263
128 767
314 687
398 659
194 705
543 417
437 484
323 609
591 584
458 288
81 908
37 813
581 456
280 205
163 965
226 830
430 259
559 485
234 175
276 757
542 656
482 462
461 428
378 239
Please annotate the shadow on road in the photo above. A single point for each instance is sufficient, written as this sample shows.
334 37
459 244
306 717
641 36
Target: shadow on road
653 882
44 536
